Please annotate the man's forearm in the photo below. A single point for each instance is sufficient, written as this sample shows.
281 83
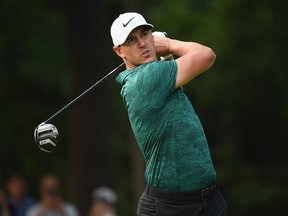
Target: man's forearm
180 48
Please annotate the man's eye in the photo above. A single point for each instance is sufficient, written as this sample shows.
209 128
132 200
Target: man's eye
145 33
130 40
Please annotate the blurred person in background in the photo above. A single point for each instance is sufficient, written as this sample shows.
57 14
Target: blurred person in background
18 200
104 201
4 211
51 203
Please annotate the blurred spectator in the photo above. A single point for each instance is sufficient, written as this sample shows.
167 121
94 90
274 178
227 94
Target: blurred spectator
18 200
51 203
3 205
104 201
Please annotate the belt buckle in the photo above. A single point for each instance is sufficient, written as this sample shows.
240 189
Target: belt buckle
205 198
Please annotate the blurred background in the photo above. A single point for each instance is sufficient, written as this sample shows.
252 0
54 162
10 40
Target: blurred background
53 50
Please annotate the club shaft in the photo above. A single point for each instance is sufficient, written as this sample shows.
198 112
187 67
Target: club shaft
85 92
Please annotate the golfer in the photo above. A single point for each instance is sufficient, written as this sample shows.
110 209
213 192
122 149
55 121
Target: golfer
180 176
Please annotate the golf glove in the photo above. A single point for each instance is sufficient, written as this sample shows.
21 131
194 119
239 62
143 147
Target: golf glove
162 34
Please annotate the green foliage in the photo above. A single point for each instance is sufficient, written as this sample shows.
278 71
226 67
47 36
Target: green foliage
34 82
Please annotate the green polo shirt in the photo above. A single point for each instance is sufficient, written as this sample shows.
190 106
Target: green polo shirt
167 129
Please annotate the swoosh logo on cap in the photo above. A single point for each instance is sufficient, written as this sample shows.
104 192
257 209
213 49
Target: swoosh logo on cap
125 24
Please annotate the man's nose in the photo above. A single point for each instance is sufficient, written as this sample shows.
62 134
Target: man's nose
141 42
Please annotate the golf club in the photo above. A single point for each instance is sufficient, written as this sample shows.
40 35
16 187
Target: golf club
46 134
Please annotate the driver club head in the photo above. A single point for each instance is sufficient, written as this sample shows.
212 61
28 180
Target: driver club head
46 137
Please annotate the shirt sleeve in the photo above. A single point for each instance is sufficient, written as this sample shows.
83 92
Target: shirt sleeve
157 81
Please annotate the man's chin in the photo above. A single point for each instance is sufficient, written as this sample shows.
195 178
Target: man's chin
150 59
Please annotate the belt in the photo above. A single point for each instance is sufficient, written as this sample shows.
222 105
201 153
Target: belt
201 195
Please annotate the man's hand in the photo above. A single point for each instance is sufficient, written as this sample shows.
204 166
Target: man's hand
161 47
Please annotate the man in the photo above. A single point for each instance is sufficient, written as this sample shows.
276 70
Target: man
51 203
18 199
104 201
180 176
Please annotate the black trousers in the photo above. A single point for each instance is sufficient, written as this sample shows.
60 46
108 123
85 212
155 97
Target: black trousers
150 205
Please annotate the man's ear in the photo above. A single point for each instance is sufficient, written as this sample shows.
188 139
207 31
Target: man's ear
118 51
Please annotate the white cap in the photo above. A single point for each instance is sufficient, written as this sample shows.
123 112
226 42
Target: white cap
124 24
104 194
